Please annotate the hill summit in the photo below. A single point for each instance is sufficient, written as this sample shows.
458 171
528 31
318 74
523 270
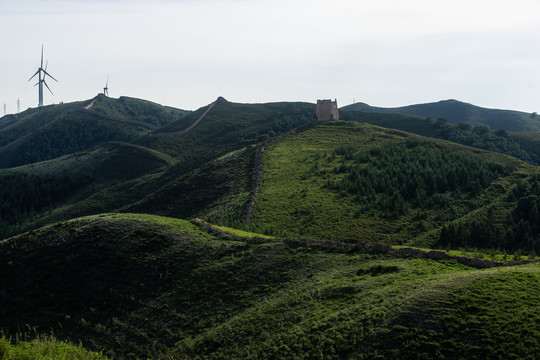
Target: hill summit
460 112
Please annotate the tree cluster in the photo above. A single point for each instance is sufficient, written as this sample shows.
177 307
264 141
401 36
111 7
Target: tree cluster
411 174
67 136
479 136
482 137
520 231
22 195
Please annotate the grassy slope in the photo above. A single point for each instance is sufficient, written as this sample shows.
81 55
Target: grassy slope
524 146
136 285
294 197
137 109
42 134
45 347
460 112
116 175
218 191
227 127
213 174
15 126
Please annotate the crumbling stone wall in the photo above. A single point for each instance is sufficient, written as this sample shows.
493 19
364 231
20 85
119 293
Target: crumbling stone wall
327 110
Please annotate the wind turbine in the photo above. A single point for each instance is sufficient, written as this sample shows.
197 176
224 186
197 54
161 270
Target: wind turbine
106 88
41 80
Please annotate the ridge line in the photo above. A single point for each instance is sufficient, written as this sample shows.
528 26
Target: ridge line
190 127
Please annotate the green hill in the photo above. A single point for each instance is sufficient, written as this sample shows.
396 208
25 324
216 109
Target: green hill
344 181
460 112
52 131
137 175
13 127
137 109
524 146
227 127
144 286
101 269
100 179
218 191
350 181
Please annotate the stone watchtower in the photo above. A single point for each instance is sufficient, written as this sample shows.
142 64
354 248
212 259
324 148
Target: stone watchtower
327 110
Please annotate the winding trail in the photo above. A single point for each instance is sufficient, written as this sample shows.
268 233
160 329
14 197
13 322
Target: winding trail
87 109
190 127
144 149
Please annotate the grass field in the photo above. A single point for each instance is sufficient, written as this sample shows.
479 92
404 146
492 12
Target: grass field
164 288
45 348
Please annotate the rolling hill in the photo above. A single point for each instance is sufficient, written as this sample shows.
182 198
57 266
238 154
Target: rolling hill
52 131
146 286
522 145
100 179
97 248
227 127
348 181
460 112
344 181
121 173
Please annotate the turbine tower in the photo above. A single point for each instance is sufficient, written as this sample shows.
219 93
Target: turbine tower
41 80
106 88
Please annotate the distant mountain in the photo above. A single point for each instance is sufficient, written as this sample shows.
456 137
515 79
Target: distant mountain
522 145
461 112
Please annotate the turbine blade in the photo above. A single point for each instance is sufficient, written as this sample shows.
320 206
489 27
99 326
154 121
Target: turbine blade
42 55
46 73
47 86
46 64
34 75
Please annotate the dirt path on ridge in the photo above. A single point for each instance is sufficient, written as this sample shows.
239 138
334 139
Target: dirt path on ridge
188 129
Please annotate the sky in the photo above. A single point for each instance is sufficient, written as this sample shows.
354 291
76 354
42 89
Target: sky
186 53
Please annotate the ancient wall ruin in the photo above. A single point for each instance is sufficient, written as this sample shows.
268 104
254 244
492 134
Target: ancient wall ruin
327 110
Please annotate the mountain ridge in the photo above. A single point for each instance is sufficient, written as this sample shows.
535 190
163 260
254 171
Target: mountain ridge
461 112
364 241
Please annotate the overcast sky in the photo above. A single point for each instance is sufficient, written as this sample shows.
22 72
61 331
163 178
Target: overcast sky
185 53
